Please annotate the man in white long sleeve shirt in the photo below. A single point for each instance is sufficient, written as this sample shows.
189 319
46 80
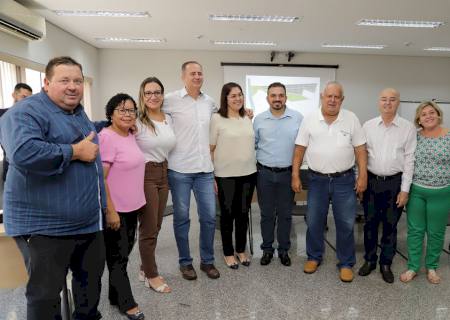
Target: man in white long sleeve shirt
391 142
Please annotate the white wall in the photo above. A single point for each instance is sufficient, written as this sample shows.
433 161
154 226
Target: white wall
363 76
57 43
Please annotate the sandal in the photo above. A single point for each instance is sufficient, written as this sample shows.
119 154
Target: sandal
141 276
163 288
433 277
407 276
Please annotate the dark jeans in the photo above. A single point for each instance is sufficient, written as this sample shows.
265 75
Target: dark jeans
340 191
235 197
49 260
119 244
275 199
380 207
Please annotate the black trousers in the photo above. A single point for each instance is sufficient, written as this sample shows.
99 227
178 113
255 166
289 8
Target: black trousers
380 207
49 259
119 244
235 197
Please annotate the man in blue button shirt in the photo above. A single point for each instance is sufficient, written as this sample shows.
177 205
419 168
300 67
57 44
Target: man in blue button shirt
275 133
54 193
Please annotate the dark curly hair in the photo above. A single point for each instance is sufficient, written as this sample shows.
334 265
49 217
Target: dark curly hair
117 100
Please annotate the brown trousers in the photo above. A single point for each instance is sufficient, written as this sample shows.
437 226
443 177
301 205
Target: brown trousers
156 188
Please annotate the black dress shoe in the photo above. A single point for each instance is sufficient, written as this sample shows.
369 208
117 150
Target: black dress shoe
138 315
266 258
284 258
366 268
386 273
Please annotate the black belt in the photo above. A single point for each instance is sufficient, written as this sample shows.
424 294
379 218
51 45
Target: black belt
332 175
274 169
384 178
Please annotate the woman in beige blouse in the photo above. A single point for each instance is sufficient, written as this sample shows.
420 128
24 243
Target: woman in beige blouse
232 143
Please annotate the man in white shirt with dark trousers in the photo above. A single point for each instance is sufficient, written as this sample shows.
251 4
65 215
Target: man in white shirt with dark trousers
391 142
191 168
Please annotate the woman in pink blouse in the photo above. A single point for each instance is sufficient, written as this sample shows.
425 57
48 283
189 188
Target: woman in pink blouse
123 167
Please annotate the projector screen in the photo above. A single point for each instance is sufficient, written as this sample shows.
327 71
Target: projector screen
303 85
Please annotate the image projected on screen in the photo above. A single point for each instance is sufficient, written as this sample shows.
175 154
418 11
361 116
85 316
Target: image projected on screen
303 93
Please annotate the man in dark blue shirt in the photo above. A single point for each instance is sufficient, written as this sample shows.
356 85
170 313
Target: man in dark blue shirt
54 193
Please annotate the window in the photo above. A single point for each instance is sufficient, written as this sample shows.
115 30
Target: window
34 79
8 79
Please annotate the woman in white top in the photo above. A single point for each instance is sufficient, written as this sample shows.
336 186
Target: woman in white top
155 137
232 143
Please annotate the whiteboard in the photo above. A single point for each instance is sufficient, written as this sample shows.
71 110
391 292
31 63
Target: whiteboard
408 111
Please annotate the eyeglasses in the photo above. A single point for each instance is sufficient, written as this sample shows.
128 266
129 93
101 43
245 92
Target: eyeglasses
156 94
131 112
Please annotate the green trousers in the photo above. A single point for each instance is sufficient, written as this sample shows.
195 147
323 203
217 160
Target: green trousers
427 212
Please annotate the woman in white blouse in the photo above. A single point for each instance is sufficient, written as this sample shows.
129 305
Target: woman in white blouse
232 143
155 137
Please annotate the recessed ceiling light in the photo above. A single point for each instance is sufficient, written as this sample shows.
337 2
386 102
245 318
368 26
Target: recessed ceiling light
244 43
437 49
251 18
355 46
138 40
399 23
114 14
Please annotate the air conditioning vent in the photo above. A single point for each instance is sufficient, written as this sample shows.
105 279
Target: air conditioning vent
17 20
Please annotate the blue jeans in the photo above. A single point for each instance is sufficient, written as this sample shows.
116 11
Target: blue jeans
275 199
202 184
340 191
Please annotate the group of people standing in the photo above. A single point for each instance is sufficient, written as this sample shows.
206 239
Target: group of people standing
66 182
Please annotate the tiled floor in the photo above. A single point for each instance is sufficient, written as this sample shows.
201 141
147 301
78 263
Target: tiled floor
274 291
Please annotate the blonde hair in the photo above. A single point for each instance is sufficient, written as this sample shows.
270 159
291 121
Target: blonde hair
422 106
143 112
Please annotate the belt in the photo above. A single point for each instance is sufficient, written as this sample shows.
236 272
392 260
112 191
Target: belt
332 175
157 164
274 169
384 178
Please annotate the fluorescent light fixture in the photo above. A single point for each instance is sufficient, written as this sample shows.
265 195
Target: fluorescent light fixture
101 13
399 23
355 46
251 18
244 43
438 49
134 40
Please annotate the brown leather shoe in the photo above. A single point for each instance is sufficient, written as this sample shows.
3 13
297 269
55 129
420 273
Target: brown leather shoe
310 266
188 272
346 274
210 270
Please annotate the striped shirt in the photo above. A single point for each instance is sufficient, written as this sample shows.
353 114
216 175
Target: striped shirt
45 192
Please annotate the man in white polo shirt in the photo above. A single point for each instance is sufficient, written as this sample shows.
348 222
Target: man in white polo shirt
391 142
191 168
331 138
